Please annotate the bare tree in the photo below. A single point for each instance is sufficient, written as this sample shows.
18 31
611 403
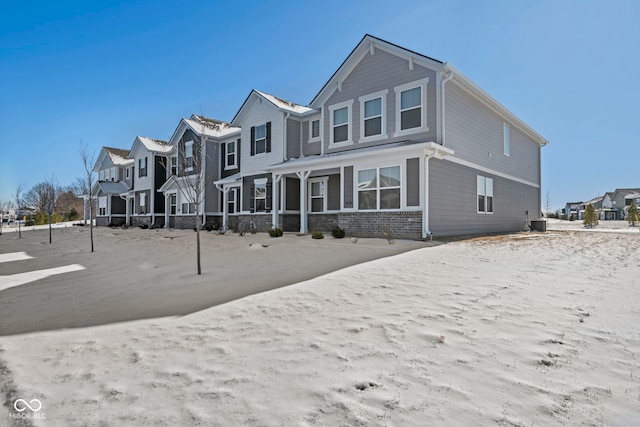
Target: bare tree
18 200
191 177
84 185
44 197
3 207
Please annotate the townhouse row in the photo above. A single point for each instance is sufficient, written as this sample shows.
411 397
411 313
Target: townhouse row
613 206
394 142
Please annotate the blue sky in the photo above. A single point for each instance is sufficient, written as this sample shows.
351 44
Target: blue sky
103 72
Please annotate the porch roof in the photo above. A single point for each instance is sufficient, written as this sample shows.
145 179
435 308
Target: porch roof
229 180
416 148
115 187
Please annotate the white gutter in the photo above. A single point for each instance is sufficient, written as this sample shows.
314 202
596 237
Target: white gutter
442 97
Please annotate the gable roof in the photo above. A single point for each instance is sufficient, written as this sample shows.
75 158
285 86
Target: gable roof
155 145
281 104
117 157
370 43
624 192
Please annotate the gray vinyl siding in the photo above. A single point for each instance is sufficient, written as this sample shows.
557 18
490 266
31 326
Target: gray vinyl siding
309 148
413 182
453 201
292 197
375 73
223 158
333 193
475 132
212 173
348 187
293 138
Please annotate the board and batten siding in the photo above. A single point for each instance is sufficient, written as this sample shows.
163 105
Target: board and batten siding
293 138
413 182
376 73
261 113
453 201
475 132
348 187
212 155
292 194
333 193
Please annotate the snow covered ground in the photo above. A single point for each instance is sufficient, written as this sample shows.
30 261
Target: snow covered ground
523 329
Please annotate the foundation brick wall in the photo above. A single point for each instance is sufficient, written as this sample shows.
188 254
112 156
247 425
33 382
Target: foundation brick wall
402 224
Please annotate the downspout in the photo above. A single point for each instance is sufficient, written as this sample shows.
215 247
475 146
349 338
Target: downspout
442 97
425 214
284 131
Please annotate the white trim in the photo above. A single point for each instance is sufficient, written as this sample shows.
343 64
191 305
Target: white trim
422 84
377 167
321 179
234 165
383 115
482 189
188 143
349 105
490 171
311 137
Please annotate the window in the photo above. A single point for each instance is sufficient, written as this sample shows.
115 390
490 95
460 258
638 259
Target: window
128 172
314 129
506 139
142 167
260 195
231 200
188 208
372 116
485 195
341 123
230 155
379 188
317 194
114 174
174 165
410 107
260 143
172 203
143 203
102 206
101 176
188 156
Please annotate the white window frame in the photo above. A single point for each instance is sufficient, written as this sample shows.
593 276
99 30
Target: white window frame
422 83
311 137
173 165
484 188
128 172
506 139
102 206
401 187
323 180
173 203
259 182
186 158
332 108
383 115
228 165
234 202
256 139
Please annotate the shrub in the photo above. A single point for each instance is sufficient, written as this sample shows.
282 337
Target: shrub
317 235
275 232
338 232
590 216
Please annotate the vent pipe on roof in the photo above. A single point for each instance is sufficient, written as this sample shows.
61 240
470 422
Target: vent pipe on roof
442 93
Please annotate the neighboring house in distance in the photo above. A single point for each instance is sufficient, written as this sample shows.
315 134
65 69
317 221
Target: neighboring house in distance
110 167
394 142
571 209
607 212
622 199
207 150
145 175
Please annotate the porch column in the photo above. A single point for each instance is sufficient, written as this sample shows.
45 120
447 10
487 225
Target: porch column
167 209
425 213
109 207
127 201
225 207
303 175
275 204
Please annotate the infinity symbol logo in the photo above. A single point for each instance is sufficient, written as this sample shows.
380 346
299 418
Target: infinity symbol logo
25 405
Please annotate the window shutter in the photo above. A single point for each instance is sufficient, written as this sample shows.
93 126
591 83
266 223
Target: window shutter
223 155
238 153
139 168
267 202
268 137
252 200
253 140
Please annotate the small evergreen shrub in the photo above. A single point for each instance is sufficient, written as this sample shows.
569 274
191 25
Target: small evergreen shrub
317 235
275 232
338 233
590 216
